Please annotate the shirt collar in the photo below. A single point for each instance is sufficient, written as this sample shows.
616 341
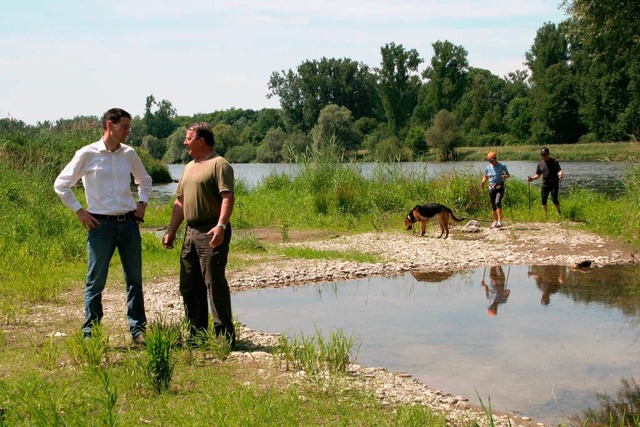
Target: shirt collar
103 148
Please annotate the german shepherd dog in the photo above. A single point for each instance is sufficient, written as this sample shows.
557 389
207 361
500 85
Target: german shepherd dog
424 213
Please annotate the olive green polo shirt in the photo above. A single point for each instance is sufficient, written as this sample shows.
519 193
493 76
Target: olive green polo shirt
200 187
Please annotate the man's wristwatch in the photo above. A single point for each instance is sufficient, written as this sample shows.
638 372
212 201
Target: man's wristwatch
143 203
224 226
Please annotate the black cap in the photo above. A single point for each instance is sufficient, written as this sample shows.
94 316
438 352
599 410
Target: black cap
544 150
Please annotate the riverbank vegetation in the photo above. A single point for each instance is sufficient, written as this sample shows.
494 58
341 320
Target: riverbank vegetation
42 262
580 85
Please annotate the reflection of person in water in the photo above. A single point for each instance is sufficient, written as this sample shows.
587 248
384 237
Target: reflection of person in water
496 292
548 278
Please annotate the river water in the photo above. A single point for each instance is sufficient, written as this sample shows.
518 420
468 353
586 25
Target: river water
541 345
539 341
605 177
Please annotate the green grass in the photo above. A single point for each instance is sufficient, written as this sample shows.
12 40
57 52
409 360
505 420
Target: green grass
65 380
595 151
202 391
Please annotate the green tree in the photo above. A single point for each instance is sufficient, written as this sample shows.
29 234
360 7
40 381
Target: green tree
297 145
517 119
241 154
555 104
316 84
415 140
484 103
446 77
176 150
155 146
336 122
606 54
390 149
158 118
399 84
270 150
225 138
445 135
267 118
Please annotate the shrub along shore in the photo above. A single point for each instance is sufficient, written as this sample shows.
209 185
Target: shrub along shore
43 261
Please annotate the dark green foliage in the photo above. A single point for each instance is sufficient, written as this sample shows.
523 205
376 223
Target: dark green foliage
159 123
445 135
225 138
158 170
398 84
447 77
416 141
606 54
176 150
154 146
337 122
241 154
270 149
316 84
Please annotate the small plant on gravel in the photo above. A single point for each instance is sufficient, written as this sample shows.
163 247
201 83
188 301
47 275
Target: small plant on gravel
93 350
48 353
335 352
316 355
488 410
109 400
160 339
218 346
284 231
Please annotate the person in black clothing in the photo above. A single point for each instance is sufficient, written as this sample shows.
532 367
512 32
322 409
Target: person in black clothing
551 172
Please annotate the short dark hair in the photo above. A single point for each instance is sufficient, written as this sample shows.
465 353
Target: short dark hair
114 115
203 130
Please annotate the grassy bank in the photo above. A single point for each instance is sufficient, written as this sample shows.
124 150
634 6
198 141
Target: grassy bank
615 152
42 268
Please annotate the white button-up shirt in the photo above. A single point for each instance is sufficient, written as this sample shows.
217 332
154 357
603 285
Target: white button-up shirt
106 177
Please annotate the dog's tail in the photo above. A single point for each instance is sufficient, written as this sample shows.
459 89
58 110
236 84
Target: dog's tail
454 217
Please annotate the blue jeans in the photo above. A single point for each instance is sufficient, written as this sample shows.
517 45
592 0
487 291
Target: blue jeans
101 244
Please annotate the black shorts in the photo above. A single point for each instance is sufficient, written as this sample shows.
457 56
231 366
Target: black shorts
550 189
495 195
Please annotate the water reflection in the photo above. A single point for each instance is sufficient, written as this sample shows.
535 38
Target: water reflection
496 292
548 278
543 360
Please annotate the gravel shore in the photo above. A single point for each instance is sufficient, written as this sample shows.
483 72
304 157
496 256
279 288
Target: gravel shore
399 252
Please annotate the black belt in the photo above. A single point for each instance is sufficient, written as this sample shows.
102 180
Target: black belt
196 224
122 217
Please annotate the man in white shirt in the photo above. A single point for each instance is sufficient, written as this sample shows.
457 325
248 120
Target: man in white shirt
112 215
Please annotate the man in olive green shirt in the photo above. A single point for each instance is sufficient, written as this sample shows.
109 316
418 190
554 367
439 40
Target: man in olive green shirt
205 201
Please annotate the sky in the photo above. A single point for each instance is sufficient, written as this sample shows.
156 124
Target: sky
68 58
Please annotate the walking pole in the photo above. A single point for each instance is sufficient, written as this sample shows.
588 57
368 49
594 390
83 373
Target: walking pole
484 197
529 194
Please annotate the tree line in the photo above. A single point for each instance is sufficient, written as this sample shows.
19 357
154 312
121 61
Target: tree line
582 84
